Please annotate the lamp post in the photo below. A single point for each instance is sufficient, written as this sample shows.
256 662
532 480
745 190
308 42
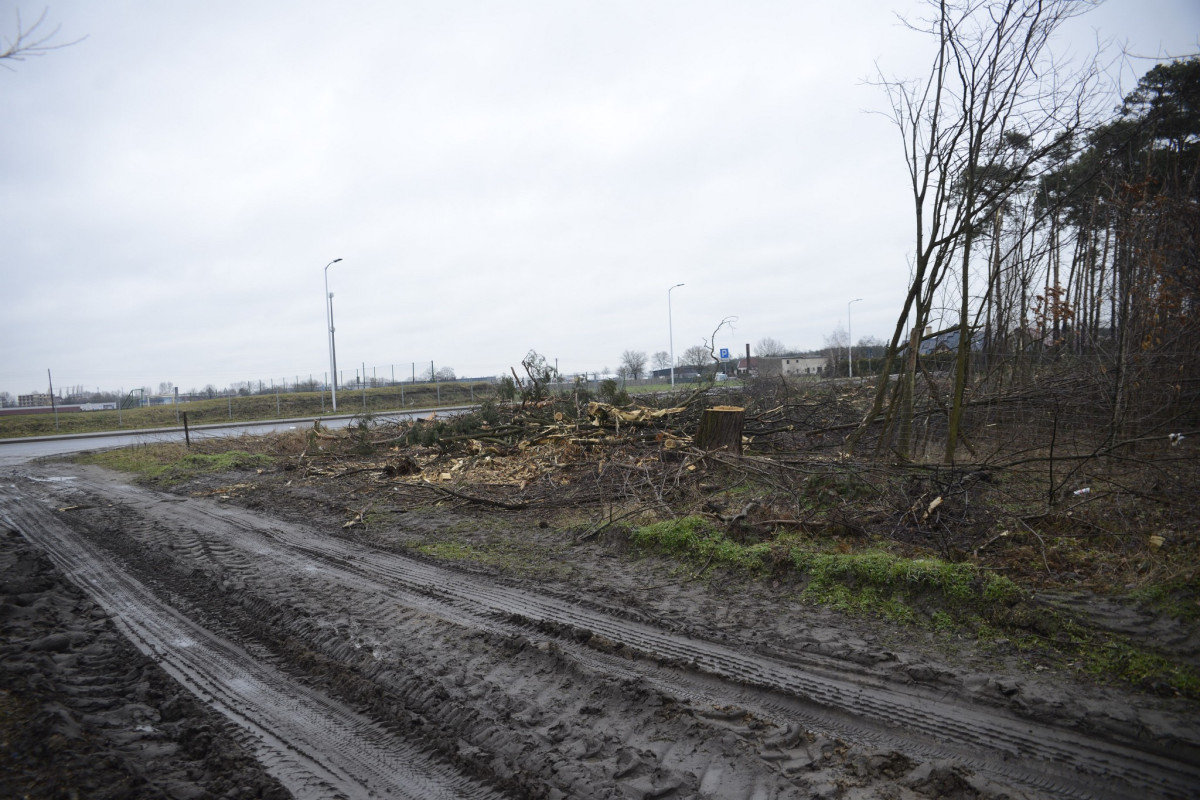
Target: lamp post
329 319
671 332
849 338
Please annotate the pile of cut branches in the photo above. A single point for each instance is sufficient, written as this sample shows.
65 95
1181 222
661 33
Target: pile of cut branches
569 457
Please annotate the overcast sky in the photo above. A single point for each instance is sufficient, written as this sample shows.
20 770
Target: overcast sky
495 176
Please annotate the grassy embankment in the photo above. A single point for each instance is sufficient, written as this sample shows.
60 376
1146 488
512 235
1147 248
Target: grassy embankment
167 464
245 409
952 599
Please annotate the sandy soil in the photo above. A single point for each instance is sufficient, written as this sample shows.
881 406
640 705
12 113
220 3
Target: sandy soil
533 668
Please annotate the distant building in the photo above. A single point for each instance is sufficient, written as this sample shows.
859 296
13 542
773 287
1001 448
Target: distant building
947 342
33 400
804 366
755 367
797 366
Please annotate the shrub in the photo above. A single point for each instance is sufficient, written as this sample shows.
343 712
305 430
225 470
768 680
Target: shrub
612 393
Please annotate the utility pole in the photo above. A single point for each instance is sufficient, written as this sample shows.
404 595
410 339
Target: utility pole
332 349
671 332
52 405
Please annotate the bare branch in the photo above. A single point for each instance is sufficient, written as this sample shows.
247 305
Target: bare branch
32 41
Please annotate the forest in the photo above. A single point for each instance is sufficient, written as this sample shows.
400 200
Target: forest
1055 236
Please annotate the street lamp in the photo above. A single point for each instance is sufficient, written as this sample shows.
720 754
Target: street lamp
671 332
849 337
329 319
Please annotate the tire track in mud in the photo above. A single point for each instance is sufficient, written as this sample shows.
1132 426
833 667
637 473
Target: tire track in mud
1033 754
312 744
842 705
1043 757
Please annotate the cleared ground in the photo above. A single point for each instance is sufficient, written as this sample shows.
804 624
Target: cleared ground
349 662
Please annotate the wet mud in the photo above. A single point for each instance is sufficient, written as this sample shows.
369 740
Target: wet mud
83 713
313 660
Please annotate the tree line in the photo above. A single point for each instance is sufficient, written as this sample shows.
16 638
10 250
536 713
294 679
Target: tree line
1047 226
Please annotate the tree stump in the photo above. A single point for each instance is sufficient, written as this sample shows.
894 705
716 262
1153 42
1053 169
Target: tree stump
721 429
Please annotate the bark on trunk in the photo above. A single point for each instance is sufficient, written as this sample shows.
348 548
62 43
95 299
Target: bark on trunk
721 429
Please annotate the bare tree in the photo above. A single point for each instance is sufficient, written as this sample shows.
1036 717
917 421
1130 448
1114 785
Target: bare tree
994 111
696 356
768 347
835 348
31 41
661 360
634 363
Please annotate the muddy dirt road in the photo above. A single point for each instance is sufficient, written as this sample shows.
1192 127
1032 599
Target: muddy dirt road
348 669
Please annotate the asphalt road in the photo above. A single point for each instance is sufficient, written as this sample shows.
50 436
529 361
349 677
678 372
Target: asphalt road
18 451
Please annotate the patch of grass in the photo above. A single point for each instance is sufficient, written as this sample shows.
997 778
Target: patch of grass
695 538
451 551
867 600
943 622
1052 635
527 560
867 582
378 519
1180 598
146 461
170 464
882 579
870 583
1110 658
942 596
830 489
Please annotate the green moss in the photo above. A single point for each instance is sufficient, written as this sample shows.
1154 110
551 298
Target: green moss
999 589
871 582
958 585
695 538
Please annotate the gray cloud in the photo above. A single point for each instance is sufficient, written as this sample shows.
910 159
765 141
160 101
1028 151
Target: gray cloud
496 177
